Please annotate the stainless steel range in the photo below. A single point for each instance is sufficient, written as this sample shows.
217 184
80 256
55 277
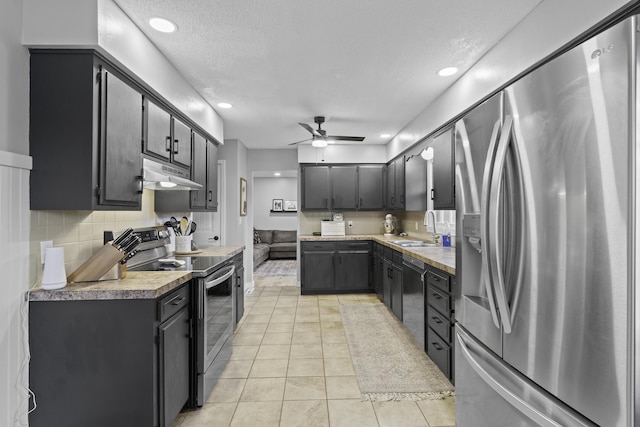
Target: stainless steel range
212 290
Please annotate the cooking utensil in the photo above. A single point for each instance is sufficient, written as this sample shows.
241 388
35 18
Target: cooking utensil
174 224
184 223
193 228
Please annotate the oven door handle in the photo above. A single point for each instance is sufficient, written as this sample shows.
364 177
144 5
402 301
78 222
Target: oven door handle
218 280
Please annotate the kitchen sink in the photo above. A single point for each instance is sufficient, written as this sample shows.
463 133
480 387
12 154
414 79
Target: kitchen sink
412 243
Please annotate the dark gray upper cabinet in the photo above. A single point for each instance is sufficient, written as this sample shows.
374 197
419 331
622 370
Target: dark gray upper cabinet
199 172
443 191
370 187
212 176
85 132
166 137
181 144
204 171
316 188
344 187
157 131
395 184
416 183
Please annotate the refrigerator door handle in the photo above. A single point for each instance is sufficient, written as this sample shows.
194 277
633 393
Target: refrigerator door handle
493 222
484 215
524 396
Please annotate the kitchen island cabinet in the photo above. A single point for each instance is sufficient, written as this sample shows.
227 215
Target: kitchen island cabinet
85 133
108 362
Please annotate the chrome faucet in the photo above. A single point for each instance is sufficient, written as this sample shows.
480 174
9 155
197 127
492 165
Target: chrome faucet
436 236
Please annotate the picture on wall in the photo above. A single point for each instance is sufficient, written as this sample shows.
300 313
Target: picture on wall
290 205
243 197
276 205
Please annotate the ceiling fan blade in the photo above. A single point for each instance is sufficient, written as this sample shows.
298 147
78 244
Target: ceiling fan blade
346 138
311 130
298 142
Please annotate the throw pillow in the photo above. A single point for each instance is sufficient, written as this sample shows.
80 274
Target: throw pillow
256 237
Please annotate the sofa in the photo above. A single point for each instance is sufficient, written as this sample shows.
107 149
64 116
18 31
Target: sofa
274 244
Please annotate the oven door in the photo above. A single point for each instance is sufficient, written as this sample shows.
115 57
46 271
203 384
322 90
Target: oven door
215 321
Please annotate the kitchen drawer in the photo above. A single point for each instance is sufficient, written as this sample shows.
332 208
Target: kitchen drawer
173 302
439 352
439 300
318 246
397 258
354 246
439 323
387 252
439 280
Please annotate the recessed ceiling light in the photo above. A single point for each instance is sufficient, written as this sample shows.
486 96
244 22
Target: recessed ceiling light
224 105
163 25
447 71
384 135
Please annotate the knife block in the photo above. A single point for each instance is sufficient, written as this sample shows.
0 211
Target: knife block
96 267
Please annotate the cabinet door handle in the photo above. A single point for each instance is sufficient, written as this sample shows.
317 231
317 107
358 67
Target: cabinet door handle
360 202
433 193
326 202
140 179
436 346
436 296
175 146
436 319
168 141
210 195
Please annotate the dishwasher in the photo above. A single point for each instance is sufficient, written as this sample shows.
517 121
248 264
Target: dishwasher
413 301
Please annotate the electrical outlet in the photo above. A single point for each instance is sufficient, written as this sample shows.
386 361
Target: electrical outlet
44 245
350 224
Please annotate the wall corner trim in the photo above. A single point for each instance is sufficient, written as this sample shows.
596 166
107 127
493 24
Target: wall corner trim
15 160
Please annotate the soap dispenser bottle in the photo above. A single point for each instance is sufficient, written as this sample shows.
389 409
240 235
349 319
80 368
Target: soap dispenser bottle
446 237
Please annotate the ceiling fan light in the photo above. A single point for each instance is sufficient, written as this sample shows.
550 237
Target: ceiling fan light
319 143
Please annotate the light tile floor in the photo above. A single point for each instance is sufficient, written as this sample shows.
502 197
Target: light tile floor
291 367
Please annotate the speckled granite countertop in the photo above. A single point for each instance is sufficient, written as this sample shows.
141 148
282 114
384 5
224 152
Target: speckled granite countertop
436 256
136 285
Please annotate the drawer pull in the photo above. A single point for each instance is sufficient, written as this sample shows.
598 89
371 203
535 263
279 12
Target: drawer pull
436 319
436 296
436 346
177 301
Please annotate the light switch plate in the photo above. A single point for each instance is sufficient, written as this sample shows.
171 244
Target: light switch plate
44 245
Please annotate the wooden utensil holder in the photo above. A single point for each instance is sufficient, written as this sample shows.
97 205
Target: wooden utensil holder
98 265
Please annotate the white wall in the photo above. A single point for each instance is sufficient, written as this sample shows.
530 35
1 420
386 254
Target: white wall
264 191
352 153
14 210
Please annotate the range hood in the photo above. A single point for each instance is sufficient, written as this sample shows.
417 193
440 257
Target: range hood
158 176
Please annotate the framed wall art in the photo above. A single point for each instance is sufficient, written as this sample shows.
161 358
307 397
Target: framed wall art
243 197
276 205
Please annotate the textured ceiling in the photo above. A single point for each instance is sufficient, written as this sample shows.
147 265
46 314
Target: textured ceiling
369 66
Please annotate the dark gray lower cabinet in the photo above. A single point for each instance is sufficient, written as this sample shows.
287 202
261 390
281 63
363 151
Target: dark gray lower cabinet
336 267
440 319
238 262
110 362
392 281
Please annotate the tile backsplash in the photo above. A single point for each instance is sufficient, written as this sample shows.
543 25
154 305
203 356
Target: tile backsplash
80 233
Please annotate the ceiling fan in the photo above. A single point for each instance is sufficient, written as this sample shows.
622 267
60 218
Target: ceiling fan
319 137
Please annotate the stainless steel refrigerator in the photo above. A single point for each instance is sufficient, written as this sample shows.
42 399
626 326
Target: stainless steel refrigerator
546 209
